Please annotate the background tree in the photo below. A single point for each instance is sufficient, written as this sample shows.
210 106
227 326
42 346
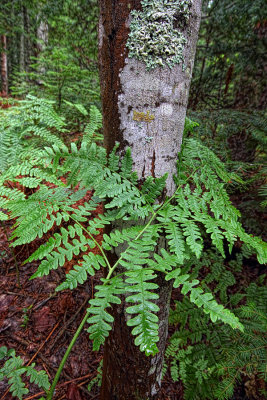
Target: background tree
146 54
4 76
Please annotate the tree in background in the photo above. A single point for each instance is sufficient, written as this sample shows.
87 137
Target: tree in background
230 61
4 78
52 49
146 54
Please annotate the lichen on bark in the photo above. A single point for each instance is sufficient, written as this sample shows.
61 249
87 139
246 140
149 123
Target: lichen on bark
154 37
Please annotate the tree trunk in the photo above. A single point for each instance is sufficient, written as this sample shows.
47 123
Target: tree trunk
22 46
42 41
4 78
27 42
143 109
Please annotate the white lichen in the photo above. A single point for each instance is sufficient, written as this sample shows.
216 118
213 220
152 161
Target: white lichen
156 36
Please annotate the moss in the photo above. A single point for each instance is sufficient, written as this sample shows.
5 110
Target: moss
156 36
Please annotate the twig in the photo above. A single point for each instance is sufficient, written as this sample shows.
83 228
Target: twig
42 345
61 332
41 303
16 294
6 392
61 385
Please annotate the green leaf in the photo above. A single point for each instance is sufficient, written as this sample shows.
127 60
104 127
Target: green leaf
101 320
145 322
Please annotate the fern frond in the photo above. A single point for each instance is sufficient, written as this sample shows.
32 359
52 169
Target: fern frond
200 299
79 274
13 369
176 241
93 126
163 263
145 322
40 378
193 237
100 321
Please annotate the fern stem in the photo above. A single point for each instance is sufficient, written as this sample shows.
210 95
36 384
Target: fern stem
95 241
66 355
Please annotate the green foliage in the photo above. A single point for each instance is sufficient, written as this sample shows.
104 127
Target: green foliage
56 76
33 119
229 66
98 378
239 139
101 320
13 368
200 207
211 358
52 50
145 322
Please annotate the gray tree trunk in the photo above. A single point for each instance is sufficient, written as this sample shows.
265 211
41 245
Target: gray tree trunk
4 77
144 110
42 41
42 36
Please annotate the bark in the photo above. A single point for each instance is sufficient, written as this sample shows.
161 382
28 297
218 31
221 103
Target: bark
4 77
42 41
21 54
22 44
144 110
27 43
42 36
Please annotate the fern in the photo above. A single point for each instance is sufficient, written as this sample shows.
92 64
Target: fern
220 355
199 208
101 320
13 368
93 126
31 118
145 322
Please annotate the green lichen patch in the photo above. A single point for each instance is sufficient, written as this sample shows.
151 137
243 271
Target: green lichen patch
155 32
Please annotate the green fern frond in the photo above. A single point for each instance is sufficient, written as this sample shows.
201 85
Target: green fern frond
176 241
145 322
13 369
40 378
79 274
100 321
152 188
93 126
163 263
200 299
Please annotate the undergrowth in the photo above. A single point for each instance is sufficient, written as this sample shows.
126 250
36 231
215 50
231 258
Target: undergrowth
211 359
58 176
13 368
